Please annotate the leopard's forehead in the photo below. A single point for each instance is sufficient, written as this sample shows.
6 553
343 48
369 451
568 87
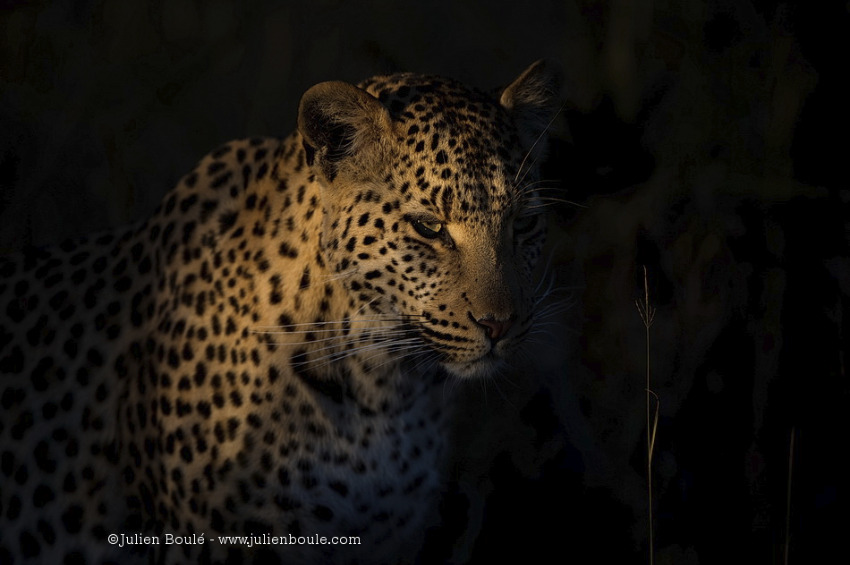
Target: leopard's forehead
459 150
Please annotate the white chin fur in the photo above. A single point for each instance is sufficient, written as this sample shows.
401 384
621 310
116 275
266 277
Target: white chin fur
487 366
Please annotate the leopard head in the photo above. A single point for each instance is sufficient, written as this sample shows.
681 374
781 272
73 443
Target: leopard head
431 207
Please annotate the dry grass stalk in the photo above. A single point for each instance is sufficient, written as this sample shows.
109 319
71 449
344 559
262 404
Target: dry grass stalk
788 496
647 314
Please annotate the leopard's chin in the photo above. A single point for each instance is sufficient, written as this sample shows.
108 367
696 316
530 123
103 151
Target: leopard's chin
486 366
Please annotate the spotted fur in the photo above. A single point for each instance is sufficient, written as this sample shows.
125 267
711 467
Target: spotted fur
266 353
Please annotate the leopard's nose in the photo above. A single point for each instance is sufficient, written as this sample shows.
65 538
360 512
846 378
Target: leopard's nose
494 328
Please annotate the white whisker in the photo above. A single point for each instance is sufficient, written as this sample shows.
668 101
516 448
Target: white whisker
518 180
381 348
339 276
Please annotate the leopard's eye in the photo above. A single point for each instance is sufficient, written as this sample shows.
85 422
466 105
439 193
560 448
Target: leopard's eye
427 228
524 224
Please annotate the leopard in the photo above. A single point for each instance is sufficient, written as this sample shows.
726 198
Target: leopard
272 353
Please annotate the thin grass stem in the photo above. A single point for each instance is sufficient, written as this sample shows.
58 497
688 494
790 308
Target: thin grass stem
647 314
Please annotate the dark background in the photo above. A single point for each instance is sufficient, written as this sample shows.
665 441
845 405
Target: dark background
705 141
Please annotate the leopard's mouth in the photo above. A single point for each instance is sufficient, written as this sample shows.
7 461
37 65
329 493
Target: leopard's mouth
470 356
488 365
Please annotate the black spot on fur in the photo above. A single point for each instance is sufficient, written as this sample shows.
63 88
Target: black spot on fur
286 251
29 545
323 513
227 221
72 519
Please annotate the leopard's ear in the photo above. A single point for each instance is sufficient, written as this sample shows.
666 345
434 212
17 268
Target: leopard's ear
531 101
341 124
